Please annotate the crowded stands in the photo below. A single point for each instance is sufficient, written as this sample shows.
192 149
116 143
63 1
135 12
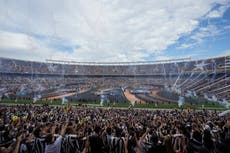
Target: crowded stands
201 78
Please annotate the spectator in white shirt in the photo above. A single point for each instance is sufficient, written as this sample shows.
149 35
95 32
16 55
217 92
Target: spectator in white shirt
54 146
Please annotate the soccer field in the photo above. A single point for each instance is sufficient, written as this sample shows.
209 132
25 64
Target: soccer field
119 105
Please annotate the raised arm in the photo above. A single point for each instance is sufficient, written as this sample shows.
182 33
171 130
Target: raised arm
63 129
126 142
86 146
144 135
138 145
16 150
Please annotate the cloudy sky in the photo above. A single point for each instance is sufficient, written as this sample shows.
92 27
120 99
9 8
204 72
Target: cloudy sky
114 30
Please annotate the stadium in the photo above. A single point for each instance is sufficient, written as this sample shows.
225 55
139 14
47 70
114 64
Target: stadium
100 76
196 82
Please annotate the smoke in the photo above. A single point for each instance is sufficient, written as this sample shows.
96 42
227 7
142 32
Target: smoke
225 103
207 97
36 98
52 68
102 99
21 91
132 102
214 98
181 101
175 83
188 94
191 75
194 93
64 100
166 87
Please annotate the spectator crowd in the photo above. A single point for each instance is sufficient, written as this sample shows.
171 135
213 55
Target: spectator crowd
70 129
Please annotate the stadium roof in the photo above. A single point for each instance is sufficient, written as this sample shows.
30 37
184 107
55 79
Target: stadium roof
118 63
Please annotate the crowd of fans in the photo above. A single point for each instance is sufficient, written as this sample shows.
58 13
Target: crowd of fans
49 129
70 129
19 66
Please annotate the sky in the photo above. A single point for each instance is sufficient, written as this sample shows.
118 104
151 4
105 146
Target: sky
114 30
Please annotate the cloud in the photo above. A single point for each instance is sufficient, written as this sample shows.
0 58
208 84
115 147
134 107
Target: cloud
100 30
186 45
15 41
23 46
225 53
197 38
227 27
204 32
217 13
